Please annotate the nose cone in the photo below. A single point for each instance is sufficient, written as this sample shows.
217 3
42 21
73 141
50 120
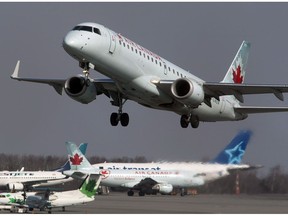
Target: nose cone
71 43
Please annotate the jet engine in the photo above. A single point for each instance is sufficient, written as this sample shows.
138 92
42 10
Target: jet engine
15 186
163 188
81 89
187 92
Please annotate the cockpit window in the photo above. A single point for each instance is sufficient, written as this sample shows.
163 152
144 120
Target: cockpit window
87 28
97 31
83 28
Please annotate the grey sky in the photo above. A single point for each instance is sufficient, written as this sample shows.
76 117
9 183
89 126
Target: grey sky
200 37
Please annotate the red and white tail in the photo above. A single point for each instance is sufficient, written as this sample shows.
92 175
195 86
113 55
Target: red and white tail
237 69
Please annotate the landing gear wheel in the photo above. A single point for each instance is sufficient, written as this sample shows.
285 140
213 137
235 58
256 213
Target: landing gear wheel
194 122
124 119
141 193
114 119
130 193
184 121
182 193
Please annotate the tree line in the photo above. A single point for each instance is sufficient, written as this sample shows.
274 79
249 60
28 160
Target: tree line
250 182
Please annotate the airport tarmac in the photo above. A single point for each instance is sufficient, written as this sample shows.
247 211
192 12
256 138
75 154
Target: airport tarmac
164 204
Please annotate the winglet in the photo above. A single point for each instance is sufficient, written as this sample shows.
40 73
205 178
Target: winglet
16 70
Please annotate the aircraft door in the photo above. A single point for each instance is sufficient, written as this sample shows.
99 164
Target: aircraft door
112 46
165 68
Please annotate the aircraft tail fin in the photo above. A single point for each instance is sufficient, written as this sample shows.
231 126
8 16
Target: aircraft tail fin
233 153
90 185
82 147
77 159
237 69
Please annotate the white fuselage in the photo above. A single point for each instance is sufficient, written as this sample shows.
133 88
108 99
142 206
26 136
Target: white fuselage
134 69
56 199
67 198
32 178
179 175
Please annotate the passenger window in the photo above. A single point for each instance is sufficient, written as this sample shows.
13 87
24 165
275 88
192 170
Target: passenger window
128 46
148 57
152 59
124 44
136 51
156 62
140 53
119 42
132 48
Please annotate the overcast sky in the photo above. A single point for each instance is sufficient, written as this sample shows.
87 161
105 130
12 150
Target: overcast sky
200 37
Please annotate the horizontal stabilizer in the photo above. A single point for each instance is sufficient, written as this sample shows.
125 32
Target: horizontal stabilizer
244 167
254 109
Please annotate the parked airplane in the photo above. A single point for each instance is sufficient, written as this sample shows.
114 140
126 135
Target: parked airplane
140 75
48 200
24 180
149 178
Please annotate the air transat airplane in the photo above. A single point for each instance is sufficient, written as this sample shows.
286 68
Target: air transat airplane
48 200
137 74
150 178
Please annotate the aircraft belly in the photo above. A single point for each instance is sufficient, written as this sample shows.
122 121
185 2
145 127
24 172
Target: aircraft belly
144 92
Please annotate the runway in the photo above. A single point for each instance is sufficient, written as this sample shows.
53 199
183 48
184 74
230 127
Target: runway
164 204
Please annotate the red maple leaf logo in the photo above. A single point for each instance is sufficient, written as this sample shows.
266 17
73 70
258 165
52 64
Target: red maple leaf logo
104 173
237 76
76 160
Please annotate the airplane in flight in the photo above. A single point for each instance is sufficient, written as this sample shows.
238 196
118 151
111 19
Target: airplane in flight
135 73
50 199
163 177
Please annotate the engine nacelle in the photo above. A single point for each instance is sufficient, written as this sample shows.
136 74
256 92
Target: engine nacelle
81 90
187 92
15 186
163 188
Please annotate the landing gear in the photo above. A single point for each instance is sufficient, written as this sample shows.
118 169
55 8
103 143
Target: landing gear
85 67
182 193
141 193
120 116
130 193
193 120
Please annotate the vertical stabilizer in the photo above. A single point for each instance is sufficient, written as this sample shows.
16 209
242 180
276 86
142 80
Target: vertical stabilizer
66 166
90 185
234 152
76 158
237 70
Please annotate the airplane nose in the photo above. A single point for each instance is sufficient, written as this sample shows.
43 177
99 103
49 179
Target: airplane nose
71 43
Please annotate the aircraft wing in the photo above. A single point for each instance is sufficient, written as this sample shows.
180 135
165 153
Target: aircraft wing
219 89
238 90
145 183
102 85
